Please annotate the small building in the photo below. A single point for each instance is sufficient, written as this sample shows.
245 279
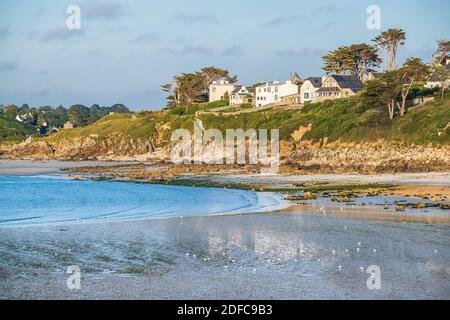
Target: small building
219 88
68 125
273 92
338 86
242 94
309 88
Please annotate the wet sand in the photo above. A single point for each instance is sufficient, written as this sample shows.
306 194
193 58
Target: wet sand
286 255
44 167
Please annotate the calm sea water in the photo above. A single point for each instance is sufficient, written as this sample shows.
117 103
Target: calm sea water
44 199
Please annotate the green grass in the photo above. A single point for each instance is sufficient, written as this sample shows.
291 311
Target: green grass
346 120
13 130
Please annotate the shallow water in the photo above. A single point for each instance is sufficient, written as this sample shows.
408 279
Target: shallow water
45 199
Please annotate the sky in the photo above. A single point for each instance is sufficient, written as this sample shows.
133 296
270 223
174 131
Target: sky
125 50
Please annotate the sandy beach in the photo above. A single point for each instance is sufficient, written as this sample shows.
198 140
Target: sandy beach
317 250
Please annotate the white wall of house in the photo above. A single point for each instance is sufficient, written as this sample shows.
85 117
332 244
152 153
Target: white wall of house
218 89
434 84
307 92
274 92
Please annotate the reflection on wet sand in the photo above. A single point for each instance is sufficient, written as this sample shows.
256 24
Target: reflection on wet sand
282 255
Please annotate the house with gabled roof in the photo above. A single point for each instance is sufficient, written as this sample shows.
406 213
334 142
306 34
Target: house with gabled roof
242 94
309 89
338 86
434 81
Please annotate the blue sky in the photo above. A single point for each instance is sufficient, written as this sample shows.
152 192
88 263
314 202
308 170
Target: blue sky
127 49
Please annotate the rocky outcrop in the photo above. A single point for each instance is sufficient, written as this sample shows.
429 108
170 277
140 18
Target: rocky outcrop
82 148
367 158
296 156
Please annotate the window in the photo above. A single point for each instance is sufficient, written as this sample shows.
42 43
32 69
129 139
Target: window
276 97
306 95
265 90
213 89
269 89
276 89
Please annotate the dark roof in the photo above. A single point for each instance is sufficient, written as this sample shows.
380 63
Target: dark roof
236 90
329 89
347 81
315 81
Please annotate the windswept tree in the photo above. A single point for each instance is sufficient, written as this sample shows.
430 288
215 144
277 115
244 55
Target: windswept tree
193 87
385 90
336 61
357 59
412 71
172 89
443 49
389 41
211 74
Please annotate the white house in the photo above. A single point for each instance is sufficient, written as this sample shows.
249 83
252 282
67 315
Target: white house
309 88
433 81
274 92
218 89
242 94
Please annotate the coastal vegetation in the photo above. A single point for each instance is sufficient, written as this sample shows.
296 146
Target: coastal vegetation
19 122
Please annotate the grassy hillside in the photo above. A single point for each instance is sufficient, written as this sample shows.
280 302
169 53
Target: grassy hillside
348 120
13 130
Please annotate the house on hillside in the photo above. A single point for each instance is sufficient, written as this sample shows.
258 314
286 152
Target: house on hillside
274 92
309 88
433 81
219 88
338 86
242 94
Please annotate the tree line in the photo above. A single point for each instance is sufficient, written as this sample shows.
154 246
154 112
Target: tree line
78 114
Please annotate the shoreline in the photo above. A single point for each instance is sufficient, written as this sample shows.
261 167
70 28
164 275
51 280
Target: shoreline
280 184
